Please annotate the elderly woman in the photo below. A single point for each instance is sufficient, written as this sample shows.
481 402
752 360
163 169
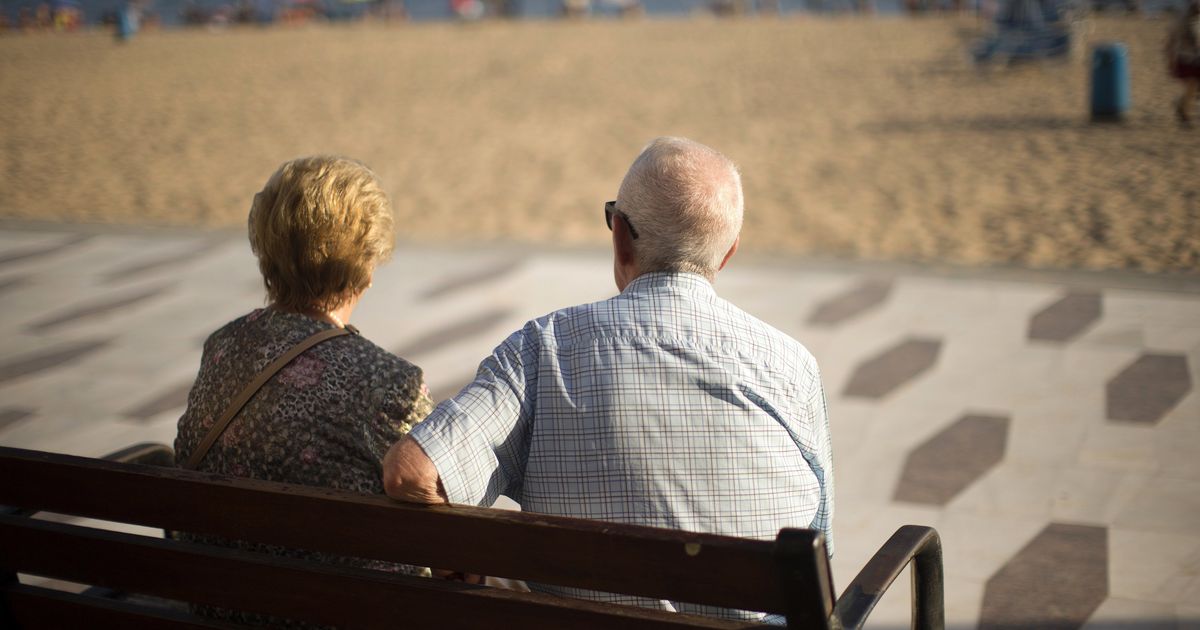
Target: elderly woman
318 228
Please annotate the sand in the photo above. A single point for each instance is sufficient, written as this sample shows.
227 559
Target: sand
858 138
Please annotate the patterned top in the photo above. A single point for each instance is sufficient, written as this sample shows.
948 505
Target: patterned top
326 419
664 406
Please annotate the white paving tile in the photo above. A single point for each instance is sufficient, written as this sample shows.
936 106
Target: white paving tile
1093 497
1152 567
1120 447
1117 612
1177 437
977 546
1166 504
1018 488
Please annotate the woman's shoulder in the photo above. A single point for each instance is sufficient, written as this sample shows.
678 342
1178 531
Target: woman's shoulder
370 357
232 330
255 319
380 378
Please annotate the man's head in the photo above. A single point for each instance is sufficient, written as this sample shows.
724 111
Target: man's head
684 202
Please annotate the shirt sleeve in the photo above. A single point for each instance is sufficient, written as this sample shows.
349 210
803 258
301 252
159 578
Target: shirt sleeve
479 439
824 518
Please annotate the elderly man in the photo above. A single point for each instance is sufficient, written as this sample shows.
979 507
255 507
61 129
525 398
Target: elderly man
663 406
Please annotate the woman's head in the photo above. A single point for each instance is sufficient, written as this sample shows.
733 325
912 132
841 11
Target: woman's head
319 228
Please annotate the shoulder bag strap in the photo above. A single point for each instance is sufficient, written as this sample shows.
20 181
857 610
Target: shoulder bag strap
234 407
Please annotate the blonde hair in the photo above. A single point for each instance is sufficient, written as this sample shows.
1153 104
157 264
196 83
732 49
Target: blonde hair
685 200
319 228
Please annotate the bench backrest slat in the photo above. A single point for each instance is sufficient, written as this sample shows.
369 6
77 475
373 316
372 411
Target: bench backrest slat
669 564
297 589
34 608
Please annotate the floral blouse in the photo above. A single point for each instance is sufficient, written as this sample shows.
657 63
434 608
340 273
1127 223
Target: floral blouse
326 419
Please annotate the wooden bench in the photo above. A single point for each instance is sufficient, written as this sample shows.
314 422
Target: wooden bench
789 575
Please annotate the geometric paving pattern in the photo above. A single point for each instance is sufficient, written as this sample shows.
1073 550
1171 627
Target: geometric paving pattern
40 361
472 278
1148 388
13 416
95 309
1109 498
158 264
439 337
1057 581
852 303
879 376
12 283
25 254
173 398
1066 318
953 459
451 386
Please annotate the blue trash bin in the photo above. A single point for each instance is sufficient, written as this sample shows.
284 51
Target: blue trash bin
1110 82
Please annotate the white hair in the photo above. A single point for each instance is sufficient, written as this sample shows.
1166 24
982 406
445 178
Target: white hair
685 201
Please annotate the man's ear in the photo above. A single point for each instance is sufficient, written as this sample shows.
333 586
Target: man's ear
729 254
622 241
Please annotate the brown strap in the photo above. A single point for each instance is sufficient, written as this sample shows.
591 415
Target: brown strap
234 407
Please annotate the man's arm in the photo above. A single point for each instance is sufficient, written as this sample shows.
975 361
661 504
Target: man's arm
409 474
472 448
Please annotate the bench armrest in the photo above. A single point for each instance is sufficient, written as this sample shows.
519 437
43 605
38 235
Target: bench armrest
913 544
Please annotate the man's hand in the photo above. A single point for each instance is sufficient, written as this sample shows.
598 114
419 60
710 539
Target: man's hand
409 474
458 576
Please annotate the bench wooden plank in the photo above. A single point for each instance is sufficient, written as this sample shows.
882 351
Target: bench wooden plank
668 564
298 589
34 607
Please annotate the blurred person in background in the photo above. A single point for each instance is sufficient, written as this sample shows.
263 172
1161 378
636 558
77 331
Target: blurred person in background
319 229
1183 58
664 406
128 21
44 17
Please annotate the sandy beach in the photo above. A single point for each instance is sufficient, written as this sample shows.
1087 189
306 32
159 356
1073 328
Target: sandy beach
860 138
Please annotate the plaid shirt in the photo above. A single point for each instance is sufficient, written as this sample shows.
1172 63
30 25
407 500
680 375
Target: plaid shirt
663 406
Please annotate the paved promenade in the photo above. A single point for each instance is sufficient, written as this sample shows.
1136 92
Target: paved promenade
1047 425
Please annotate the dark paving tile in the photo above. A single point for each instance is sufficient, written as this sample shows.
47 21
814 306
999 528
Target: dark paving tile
852 303
1066 318
13 415
1056 582
172 398
161 263
96 309
46 360
472 278
936 471
17 255
436 339
882 374
1148 388
8 284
